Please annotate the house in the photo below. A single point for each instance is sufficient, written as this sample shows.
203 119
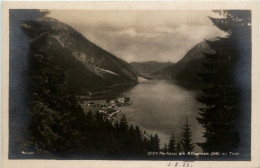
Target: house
112 101
120 100
91 104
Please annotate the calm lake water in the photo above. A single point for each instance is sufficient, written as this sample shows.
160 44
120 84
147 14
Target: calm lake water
161 107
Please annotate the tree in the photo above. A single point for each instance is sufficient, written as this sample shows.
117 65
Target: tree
179 148
153 143
56 114
219 98
186 138
139 144
238 24
165 148
123 123
222 99
156 143
172 144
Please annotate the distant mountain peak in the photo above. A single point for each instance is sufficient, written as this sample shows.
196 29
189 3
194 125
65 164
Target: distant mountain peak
146 68
185 70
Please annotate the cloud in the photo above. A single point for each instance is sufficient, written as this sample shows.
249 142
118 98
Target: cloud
128 32
164 29
135 35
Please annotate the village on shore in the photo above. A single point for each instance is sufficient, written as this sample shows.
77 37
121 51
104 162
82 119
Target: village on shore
108 109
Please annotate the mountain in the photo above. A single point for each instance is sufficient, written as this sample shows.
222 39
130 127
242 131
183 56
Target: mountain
149 67
89 67
185 71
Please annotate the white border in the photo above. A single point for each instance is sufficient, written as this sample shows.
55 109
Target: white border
173 5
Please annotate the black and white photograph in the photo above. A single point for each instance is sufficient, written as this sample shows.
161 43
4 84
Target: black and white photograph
130 84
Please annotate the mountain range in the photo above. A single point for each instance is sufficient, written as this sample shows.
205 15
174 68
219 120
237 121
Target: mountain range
90 68
149 67
184 72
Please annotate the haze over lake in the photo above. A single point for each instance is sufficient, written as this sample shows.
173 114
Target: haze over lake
160 106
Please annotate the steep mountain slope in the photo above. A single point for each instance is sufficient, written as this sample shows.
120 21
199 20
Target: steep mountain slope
188 76
149 67
89 67
192 54
185 71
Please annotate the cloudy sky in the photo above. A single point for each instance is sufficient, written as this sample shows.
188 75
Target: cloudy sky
150 35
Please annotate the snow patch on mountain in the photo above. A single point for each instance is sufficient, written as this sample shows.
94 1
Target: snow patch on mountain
108 71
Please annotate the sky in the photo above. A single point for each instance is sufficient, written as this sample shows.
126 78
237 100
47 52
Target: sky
142 35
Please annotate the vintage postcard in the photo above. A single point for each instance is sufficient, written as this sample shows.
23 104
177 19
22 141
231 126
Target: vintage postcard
130 84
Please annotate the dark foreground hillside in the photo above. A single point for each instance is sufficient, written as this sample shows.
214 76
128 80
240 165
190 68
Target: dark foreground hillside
49 64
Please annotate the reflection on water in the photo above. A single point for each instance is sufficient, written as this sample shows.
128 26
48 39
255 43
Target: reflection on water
161 107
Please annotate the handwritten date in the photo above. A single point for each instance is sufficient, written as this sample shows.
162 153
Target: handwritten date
179 164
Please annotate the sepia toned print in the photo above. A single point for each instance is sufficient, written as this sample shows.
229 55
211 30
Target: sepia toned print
130 85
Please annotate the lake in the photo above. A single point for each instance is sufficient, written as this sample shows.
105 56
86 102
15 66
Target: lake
160 106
